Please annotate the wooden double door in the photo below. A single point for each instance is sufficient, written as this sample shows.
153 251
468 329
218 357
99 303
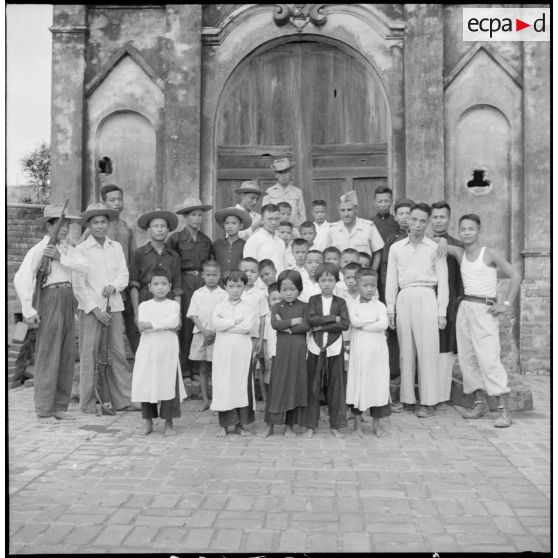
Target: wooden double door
315 104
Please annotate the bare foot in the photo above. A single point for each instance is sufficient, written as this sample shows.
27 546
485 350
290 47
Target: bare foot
240 431
203 407
148 427
336 433
308 434
366 418
222 432
359 433
379 431
62 415
46 420
90 410
169 431
289 432
267 432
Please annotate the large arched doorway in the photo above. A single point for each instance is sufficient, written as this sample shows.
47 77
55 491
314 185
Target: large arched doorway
314 103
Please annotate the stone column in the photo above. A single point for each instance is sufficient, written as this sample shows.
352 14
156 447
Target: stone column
68 71
424 102
182 103
535 290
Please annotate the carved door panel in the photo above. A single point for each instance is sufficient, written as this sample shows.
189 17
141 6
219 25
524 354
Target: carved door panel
310 102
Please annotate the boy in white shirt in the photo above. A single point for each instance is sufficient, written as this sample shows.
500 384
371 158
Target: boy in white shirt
309 284
319 213
300 248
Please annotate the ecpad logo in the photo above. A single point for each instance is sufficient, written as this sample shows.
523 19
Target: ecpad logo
506 24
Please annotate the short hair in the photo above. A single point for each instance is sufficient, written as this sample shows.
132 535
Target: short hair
422 207
265 264
365 272
326 268
314 252
249 260
300 242
383 190
108 188
441 205
332 250
269 208
160 271
350 251
211 264
307 225
471 217
365 255
286 224
291 275
352 265
234 276
319 203
285 205
274 287
403 203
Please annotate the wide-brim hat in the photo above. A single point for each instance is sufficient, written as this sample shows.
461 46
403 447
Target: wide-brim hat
168 216
281 165
96 209
244 216
53 211
192 204
249 187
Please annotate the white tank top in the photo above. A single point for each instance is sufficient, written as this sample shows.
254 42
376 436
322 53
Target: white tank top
479 279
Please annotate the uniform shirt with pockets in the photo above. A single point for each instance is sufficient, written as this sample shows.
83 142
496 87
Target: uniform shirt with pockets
364 236
193 253
290 194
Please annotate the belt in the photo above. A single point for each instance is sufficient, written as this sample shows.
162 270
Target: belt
489 301
428 286
58 285
191 272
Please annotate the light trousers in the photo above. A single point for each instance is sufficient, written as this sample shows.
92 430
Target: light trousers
417 332
445 371
478 345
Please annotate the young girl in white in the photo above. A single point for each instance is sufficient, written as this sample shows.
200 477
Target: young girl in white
157 376
233 385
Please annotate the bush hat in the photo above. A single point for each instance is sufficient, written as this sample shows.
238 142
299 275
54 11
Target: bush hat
248 187
192 204
96 209
282 165
53 211
244 216
168 216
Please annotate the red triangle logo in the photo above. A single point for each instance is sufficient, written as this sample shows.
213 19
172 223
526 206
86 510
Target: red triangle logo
519 25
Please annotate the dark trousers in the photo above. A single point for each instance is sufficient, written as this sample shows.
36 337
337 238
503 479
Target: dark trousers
190 283
333 392
132 332
241 415
290 418
375 412
55 357
393 348
170 408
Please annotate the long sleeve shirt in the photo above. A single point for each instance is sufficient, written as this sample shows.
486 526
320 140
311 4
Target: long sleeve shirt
245 234
410 266
60 271
106 265
292 195
264 245
226 313
122 233
368 315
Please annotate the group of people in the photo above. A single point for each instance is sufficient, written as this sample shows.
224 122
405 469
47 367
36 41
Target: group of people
315 313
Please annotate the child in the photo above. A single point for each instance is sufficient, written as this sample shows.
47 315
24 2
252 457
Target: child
308 231
288 387
309 284
285 212
232 382
285 233
204 300
228 250
328 317
157 375
268 275
300 248
368 377
332 255
319 213
348 255
348 288
364 259
270 335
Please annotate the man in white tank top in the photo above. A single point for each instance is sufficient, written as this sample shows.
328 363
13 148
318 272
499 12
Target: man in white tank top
478 336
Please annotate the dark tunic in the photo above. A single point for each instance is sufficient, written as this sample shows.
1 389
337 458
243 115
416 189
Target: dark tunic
386 225
288 386
142 263
228 255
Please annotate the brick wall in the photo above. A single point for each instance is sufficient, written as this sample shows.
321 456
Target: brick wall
535 326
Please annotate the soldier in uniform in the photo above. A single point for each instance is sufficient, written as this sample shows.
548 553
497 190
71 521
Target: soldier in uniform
194 248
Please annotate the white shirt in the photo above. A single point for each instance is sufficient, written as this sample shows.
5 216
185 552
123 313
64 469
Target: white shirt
291 194
270 335
106 265
257 300
60 271
245 234
264 245
335 348
364 236
202 304
320 242
309 288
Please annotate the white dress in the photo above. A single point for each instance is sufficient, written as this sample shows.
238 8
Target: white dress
368 376
157 367
232 354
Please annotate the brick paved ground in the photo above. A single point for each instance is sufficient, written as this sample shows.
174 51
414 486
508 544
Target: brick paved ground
438 484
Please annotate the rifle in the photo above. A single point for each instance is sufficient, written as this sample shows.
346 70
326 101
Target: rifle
102 390
44 268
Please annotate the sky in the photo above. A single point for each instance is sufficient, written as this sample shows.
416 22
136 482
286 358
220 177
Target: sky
28 82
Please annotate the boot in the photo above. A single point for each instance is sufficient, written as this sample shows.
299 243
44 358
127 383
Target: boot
480 407
503 420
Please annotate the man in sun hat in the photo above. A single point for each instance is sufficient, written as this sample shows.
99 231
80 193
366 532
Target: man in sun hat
55 356
155 253
284 191
193 248
96 288
228 250
249 194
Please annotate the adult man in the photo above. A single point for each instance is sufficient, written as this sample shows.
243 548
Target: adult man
478 338
101 284
249 195
264 243
414 268
194 248
55 356
351 232
284 191
384 220
439 222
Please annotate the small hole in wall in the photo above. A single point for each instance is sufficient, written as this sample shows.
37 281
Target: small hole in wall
105 165
478 179
335 93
